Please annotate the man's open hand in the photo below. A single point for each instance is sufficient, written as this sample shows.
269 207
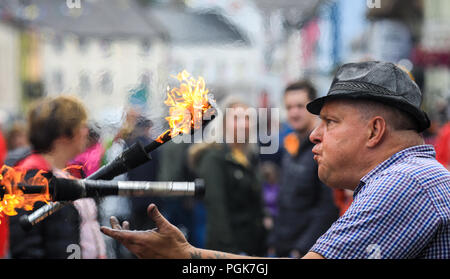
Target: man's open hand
165 241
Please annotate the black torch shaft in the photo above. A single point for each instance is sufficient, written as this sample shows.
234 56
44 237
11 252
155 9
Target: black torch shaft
163 138
31 189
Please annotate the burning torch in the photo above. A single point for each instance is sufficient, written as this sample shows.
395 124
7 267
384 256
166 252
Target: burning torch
66 189
61 190
190 108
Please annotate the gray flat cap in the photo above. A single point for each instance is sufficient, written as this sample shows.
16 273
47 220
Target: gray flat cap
377 81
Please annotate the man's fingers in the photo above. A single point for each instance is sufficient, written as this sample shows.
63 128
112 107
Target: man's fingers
156 216
114 223
116 234
124 236
126 225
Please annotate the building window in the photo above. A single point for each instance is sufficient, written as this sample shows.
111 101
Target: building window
83 44
106 83
145 47
105 46
84 84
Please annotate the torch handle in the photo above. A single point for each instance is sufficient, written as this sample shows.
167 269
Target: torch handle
28 221
155 188
160 188
71 189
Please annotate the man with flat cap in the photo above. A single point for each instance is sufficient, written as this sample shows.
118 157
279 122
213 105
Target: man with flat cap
368 141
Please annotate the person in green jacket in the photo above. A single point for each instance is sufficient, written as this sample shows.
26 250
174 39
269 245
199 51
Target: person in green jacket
233 199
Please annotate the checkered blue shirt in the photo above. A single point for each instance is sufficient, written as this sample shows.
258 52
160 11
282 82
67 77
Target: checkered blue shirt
401 209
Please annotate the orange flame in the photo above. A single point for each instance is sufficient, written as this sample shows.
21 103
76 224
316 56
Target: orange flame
14 197
186 104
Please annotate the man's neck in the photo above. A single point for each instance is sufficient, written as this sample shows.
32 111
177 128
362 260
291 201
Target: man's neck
398 141
401 140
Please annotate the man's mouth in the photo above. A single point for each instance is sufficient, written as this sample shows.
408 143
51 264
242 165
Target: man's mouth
316 158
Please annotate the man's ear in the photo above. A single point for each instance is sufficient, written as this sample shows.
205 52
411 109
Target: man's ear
376 130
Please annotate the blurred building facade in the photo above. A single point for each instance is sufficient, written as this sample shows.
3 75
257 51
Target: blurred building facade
106 50
9 68
434 57
207 44
98 51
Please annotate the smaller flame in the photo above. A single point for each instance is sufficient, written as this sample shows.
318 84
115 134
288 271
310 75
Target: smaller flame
14 197
187 104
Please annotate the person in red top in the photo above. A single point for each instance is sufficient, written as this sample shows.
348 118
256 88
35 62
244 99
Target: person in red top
3 149
57 132
4 231
442 146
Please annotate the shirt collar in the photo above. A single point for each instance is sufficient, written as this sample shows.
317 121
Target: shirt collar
423 151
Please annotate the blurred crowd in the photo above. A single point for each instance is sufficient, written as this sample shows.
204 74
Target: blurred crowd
264 205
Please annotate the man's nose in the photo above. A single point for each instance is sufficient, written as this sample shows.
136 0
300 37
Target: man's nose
316 135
